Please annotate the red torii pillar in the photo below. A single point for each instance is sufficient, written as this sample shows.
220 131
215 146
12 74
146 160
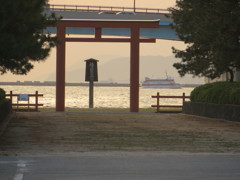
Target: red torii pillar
134 70
60 65
98 25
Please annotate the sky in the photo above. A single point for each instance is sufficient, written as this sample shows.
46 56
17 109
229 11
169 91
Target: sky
76 53
126 3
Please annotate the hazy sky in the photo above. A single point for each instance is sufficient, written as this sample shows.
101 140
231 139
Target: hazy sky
128 3
76 53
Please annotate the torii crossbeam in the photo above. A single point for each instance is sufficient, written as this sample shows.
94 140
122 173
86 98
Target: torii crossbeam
98 25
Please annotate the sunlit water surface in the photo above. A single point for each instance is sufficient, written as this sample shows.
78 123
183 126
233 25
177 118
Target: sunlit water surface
104 97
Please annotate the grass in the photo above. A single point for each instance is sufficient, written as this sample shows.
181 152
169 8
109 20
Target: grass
141 139
133 138
76 132
146 110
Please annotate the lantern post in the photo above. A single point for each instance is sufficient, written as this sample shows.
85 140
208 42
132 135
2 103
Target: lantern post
91 75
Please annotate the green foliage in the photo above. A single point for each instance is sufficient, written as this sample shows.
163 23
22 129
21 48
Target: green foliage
211 30
22 39
5 109
218 93
2 94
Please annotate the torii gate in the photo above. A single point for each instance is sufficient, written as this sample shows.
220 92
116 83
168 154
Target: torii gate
98 25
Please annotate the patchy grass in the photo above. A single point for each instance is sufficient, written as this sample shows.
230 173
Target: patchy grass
77 132
150 110
44 109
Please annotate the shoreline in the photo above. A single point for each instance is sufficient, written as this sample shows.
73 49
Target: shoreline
52 83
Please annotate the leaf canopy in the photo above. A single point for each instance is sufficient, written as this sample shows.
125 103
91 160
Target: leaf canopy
22 39
211 30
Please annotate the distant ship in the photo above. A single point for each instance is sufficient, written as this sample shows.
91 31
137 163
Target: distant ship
167 83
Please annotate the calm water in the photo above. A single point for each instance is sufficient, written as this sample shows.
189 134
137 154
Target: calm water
104 97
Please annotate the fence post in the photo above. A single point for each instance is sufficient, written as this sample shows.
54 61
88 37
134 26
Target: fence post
11 96
28 103
183 97
36 100
158 99
11 99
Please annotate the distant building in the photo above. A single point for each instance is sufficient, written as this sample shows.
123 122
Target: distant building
49 82
110 80
224 77
28 82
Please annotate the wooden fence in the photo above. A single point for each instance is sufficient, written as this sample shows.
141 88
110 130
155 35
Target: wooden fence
169 108
21 102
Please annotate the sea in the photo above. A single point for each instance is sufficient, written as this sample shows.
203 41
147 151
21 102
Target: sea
104 97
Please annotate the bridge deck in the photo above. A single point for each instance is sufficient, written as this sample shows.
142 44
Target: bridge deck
107 9
93 12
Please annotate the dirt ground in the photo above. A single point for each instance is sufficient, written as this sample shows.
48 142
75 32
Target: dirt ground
51 132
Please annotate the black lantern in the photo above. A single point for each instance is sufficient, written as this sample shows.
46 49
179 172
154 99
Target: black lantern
91 70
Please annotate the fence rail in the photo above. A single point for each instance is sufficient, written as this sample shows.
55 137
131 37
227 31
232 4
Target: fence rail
59 7
172 108
18 105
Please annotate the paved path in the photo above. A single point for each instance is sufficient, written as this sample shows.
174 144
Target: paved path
122 166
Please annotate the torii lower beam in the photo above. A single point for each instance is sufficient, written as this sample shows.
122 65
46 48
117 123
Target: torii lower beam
134 40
